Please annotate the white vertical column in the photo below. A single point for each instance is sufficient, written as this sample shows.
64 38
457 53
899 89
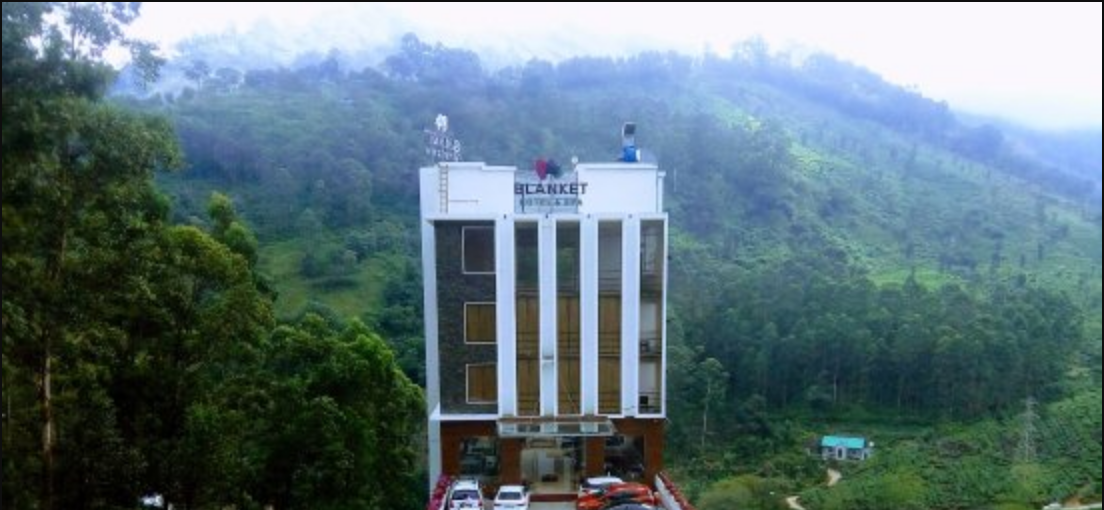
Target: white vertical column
663 314
506 316
546 248
630 316
435 465
433 365
588 322
660 176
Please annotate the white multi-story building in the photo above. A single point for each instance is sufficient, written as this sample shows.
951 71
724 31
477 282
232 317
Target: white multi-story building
545 319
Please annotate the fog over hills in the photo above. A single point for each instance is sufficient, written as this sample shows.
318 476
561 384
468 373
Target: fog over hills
1037 64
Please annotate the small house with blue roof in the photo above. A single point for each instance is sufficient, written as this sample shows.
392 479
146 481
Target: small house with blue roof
845 448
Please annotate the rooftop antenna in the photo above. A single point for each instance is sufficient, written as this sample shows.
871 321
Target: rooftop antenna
629 152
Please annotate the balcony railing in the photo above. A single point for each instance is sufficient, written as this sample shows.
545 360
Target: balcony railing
650 346
650 403
568 346
609 402
528 404
528 345
609 345
609 281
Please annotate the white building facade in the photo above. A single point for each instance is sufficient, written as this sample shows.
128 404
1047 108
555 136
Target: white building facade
545 321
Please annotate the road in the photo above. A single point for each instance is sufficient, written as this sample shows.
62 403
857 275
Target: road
834 477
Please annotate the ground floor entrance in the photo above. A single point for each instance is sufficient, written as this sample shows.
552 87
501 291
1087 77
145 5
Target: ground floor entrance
552 464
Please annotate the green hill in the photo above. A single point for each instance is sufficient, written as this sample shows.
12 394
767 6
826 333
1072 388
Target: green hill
340 147
842 247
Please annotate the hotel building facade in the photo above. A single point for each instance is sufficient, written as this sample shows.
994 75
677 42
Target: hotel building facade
545 321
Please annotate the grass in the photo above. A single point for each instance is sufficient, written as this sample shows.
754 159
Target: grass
978 464
896 192
926 277
362 291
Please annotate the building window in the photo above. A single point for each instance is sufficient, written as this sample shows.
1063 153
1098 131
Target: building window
479 323
609 355
567 257
482 384
651 248
527 258
528 352
479 250
609 257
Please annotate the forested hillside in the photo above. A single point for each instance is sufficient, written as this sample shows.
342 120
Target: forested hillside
844 250
141 356
212 293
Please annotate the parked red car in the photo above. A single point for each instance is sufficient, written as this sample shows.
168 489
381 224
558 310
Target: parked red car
617 494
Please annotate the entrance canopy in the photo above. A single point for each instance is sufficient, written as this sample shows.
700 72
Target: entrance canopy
583 426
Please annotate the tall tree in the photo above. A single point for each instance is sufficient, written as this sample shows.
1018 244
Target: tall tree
342 421
102 300
713 377
63 158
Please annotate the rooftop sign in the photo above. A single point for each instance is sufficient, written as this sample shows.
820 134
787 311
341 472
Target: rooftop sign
548 190
440 144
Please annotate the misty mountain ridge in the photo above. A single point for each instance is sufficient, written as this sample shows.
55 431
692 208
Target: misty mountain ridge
369 38
895 177
365 33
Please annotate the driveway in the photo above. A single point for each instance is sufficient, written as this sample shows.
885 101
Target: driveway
552 506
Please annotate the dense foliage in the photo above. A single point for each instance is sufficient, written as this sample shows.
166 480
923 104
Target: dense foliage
140 356
843 250
851 245
803 334
958 467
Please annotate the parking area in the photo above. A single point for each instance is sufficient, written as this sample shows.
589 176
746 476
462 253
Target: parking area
552 506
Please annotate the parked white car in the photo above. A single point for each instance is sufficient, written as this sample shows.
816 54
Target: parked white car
512 497
597 484
466 495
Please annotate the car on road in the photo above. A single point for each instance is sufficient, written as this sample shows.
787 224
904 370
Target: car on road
465 495
596 484
511 497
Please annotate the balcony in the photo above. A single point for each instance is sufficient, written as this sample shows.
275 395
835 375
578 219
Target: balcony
609 281
528 345
650 345
650 403
609 402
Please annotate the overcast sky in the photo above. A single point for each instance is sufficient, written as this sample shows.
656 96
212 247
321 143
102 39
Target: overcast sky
1035 63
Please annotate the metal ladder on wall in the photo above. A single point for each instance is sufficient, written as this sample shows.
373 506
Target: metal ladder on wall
443 186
